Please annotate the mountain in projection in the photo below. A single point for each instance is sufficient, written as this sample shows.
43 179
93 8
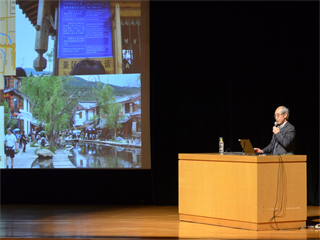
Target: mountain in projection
77 83
35 73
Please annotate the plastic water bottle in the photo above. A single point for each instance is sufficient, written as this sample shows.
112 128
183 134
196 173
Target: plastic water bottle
221 146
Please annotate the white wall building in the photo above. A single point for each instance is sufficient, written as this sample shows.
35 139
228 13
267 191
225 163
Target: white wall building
26 116
83 112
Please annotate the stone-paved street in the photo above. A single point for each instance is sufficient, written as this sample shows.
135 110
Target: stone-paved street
25 160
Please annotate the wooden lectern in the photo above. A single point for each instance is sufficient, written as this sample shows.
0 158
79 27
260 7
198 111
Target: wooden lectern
243 191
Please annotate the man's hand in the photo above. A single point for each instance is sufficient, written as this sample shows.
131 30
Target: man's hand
275 130
258 150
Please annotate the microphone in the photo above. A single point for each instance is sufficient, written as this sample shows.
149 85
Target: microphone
275 124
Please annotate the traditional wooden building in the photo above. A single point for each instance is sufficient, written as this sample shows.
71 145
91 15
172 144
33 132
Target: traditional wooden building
131 123
130 109
20 105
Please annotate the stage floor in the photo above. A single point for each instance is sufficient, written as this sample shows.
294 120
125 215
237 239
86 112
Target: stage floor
126 222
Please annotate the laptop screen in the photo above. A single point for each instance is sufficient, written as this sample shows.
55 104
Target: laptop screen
247 146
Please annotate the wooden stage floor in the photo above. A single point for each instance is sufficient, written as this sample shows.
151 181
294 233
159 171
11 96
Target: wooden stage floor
125 222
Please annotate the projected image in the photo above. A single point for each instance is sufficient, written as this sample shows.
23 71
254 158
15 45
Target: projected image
105 32
78 121
75 99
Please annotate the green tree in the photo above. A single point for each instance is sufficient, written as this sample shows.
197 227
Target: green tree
50 102
108 107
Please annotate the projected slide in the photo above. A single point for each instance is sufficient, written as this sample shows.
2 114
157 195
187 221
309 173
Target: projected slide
76 100
84 29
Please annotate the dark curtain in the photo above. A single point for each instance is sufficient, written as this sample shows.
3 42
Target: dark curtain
220 69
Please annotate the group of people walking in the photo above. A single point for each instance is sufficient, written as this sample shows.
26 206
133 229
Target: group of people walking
22 139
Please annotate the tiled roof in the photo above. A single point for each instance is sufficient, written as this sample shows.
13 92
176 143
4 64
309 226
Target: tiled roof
128 98
88 105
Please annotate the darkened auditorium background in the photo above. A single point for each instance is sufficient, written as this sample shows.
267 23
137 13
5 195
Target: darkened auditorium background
218 69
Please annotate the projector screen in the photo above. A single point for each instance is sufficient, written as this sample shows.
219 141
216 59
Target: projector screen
81 89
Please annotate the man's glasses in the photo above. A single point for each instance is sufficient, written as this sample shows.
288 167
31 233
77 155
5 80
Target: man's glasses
277 115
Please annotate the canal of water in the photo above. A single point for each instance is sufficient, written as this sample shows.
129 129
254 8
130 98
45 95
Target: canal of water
90 155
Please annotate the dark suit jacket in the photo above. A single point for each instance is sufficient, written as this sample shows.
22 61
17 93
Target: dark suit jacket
286 141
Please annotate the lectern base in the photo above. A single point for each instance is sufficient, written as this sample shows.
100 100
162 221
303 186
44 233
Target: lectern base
239 224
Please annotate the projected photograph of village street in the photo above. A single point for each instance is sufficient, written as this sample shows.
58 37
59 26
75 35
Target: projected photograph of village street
75 121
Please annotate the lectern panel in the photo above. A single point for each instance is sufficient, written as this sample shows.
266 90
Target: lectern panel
242 191
218 189
290 181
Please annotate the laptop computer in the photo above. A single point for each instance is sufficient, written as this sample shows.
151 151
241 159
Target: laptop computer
247 146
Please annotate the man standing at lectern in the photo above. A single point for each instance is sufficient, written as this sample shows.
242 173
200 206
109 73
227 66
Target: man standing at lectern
284 134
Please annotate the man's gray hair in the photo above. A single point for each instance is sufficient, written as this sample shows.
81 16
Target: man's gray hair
285 110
